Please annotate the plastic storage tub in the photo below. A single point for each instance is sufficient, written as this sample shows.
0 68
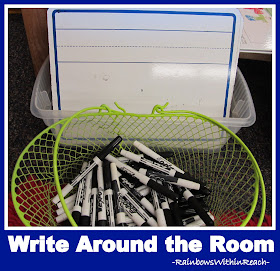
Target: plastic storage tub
242 107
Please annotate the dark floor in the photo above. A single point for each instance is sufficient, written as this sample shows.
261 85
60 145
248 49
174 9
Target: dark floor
23 126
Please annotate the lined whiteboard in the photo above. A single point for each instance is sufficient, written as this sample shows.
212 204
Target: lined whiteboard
141 58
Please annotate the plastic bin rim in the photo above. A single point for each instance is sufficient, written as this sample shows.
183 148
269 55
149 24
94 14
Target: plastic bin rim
57 115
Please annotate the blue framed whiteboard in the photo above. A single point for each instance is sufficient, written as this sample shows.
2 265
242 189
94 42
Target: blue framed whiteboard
185 57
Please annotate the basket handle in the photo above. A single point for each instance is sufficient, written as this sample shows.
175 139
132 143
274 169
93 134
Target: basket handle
110 110
159 108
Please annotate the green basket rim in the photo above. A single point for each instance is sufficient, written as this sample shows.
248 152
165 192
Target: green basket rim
17 166
159 109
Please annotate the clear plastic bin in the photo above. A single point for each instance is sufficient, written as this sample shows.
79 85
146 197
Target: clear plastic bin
242 107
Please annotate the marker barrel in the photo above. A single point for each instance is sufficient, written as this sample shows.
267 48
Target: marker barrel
132 213
69 205
67 200
118 209
65 191
63 217
174 207
149 206
93 204
193 202
143 190
147 217
149 163
155 155
108 193
76 212
101 208
159 212
85 214
173 180
166 210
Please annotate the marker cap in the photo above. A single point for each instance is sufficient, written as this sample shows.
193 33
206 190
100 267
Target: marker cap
76 216
102 223
105 151
84 221
168 217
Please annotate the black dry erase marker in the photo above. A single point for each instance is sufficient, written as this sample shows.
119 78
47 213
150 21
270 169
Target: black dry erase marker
137 205
174 207
119 211
148 205
85 214
193 202
95 161
166 209
149 163
101 208
77 209
170 179
137 200
93 198
132 213
155 156
143 179
108 193
159 212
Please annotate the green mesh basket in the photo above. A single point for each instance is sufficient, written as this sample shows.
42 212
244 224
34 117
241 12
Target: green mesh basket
201 146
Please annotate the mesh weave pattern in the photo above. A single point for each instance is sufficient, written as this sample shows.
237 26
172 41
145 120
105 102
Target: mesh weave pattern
199 146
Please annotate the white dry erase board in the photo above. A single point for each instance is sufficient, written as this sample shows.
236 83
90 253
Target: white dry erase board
140 58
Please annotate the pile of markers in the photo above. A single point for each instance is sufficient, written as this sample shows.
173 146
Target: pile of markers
134 190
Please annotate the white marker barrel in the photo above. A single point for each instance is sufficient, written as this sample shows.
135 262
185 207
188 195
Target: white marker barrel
101 209
154 155
150 220
159 212
119 211
85 214
69 205
63 217
67 200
